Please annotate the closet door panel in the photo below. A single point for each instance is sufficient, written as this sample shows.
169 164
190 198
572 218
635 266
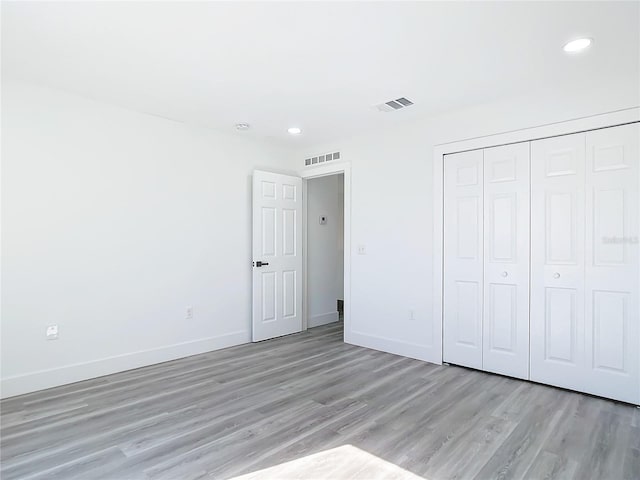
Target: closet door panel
463 249
612 312
557 323
506 260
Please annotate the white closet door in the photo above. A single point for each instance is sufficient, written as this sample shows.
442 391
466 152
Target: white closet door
506 260
612 312
463 264
557 261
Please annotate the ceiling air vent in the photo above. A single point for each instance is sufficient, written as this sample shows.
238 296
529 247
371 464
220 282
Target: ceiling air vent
327 157
393 105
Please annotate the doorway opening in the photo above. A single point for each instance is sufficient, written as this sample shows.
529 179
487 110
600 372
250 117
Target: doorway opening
281 275
325 244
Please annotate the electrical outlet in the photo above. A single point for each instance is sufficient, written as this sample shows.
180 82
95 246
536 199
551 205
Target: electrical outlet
52 332
362 250
189 313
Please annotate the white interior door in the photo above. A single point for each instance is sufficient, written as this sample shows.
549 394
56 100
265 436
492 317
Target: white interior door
612 311
463 252
557 261
277 255
506 260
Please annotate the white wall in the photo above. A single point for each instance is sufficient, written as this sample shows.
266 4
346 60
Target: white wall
392 206
113 223
324 248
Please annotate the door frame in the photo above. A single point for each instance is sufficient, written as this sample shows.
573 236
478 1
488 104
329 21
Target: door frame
568 127
306 175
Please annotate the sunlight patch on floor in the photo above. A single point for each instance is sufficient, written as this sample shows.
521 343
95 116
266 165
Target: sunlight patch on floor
341 463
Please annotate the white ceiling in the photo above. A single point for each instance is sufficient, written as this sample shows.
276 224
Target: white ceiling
317 65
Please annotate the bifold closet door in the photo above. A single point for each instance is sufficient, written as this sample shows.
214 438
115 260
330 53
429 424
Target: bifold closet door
506 260
463 258
557 261
612 311
585 263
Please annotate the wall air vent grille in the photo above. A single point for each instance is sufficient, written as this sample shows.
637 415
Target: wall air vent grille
327 157
393 105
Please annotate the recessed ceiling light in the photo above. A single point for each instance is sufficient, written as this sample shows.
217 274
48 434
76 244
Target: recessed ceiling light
577 45
294 131
242 126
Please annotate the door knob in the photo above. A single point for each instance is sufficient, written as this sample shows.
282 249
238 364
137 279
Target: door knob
556 275
504 274
261 264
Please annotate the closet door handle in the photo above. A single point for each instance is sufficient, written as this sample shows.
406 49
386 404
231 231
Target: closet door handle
504 274
556 275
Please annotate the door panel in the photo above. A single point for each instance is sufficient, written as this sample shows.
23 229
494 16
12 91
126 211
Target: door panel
557 261
502 317
289 234
468 227
268 280
610 325
289 293
268 226
561 245
467 329
501 211
463 252
506 260
277 240
612 312
560 325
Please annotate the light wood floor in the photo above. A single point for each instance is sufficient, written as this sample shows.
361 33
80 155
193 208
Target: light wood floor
310 406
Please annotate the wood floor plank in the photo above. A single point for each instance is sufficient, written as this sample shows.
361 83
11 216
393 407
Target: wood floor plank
550 466
607 448
467 455
631 464
309 405
526 441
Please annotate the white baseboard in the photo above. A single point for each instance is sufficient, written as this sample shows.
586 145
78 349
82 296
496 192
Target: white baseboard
406 349
42 379
323 319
